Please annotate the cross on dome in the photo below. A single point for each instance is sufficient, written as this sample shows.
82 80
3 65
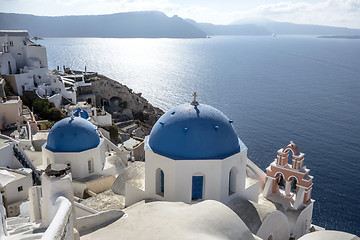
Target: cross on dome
194 102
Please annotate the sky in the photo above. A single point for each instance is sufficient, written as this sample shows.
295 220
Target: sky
342 13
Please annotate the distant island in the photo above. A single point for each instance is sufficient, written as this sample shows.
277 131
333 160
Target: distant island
341 37
155 24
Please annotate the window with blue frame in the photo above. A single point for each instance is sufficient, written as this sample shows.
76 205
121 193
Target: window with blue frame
197 187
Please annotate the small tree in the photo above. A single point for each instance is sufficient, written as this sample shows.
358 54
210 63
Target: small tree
56 114
114 133
47 110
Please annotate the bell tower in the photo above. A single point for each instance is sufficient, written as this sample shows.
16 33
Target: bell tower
291 180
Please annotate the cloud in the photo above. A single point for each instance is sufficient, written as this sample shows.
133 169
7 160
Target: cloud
107 6
330 12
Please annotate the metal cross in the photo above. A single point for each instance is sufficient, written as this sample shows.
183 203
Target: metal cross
194 102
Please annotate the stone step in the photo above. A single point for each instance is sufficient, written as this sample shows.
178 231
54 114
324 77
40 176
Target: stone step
129 128
124 123
16 220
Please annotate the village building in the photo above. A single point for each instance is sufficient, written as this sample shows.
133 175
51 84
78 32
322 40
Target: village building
14 185
23 64
10 112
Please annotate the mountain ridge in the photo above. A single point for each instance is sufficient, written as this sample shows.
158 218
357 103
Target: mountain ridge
149 24
288 28
155 24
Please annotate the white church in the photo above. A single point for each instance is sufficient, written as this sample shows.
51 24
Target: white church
192 154
75 141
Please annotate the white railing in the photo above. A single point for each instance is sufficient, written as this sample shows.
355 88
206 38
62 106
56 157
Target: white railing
61 227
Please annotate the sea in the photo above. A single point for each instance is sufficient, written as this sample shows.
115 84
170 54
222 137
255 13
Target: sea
276 90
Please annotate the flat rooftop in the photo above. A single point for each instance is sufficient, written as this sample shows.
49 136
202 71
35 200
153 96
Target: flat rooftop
13 33
4 141
11 101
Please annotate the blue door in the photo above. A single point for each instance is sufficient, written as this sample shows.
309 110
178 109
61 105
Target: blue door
197 187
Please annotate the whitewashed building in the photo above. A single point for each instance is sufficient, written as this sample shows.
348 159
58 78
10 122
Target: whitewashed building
75 142
22 63
194 154
11 112
15 190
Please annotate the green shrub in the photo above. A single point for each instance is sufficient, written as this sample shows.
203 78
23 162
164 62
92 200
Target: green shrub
47 110
114 133
56 114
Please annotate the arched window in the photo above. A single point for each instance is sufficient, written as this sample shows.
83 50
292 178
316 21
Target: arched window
160 187
281 181
197 192
9 65
232 180
293 185
91 165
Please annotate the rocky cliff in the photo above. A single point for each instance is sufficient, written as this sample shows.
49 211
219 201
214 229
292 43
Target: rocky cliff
122 102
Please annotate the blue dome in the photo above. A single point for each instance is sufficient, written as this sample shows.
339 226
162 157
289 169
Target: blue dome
194 132
81 113
72 135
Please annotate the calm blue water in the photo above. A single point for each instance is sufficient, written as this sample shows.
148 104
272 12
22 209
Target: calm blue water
279 89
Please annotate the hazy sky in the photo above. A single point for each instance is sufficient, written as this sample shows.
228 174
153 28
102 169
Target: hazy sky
324 12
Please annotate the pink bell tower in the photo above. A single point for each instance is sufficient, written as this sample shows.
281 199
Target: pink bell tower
281 174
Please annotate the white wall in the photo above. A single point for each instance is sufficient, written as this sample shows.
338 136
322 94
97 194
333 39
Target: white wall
5 58
276 225
82 210
78 160
56 99
19 41
103 120
12 110
89 223
178 177
59 87
7 157
37 53
238 161
52 188
3 231
11 189
303 222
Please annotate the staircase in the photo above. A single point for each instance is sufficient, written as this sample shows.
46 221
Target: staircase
22 228
27 163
